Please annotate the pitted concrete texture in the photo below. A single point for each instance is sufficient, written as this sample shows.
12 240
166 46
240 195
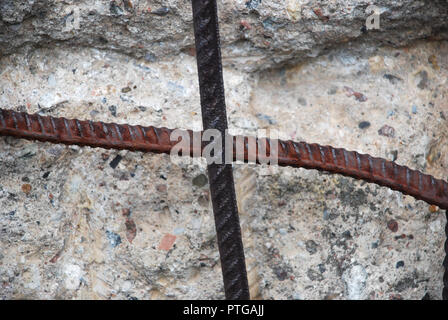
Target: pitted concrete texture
255 34
84 223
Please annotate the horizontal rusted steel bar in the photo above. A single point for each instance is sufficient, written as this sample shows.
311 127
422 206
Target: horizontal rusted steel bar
294 154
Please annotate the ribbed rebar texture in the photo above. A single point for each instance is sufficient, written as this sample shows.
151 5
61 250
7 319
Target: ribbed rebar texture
85 133
295 154
222 188
361 166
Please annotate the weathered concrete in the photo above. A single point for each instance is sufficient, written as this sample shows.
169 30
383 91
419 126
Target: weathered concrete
255 34
90 223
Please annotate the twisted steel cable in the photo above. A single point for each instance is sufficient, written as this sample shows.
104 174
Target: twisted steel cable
294 154
222 187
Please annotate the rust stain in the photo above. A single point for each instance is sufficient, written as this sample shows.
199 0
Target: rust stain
167 242
131 229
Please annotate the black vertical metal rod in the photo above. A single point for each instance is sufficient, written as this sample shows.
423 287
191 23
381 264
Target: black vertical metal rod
214 116
445 263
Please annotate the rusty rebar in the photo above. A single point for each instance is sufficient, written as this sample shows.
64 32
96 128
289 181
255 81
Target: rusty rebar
294 154
222 188
445 263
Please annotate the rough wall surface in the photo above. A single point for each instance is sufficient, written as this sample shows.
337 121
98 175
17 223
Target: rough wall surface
90 223
256 34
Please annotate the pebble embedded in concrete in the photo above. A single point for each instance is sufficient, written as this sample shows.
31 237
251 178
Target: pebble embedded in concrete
97 224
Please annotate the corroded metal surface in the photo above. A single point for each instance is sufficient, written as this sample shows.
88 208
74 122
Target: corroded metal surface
294 154
85 133
222 187
152 139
